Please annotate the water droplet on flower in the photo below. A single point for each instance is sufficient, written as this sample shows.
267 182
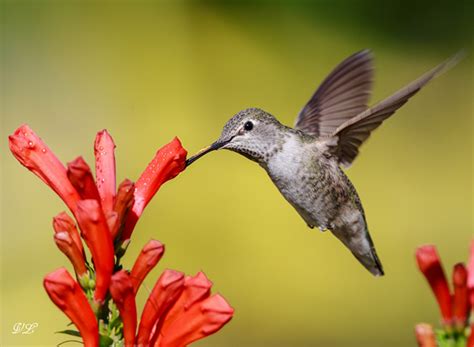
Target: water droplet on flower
43 150
31 144
102 180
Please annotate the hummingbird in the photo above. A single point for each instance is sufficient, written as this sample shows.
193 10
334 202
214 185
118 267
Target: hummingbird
305 162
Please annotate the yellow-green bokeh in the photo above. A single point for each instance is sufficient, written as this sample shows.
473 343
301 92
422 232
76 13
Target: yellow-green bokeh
148 71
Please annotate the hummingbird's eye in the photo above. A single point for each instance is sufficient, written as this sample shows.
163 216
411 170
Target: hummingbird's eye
248 126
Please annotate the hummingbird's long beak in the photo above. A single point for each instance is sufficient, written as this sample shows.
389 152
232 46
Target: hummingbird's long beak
215 146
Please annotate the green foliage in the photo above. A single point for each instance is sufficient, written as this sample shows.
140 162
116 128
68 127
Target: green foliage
451 339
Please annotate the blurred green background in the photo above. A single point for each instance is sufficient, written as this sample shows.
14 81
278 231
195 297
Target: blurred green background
148 71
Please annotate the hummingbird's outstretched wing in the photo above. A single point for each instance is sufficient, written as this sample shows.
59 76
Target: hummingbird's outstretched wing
342 95
352 133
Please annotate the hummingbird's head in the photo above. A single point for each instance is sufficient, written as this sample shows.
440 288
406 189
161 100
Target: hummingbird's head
251 132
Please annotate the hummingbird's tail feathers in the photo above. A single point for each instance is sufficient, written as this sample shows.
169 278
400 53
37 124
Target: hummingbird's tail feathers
362 247
352 133
374 265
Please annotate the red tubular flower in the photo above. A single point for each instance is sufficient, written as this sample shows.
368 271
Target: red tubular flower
69 297
146 261
470 286
425 335
62 222
33 153
470 279
97 236
460 298
112 223
430 265
121 289
200 320
164 294
65 243
196 288
123 202
168 162
104 147
80 175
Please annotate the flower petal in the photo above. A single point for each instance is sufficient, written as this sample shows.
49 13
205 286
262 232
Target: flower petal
202 319
96 233
425 335
80 175
430 265
168 162
66 244
164 294
121 289
69 297
460 297
33 153
62 222
105 169
146 261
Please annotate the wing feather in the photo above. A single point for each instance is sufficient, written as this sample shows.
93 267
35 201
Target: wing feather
342 95
353 132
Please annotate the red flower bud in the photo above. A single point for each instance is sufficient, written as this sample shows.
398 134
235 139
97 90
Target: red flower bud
425 335
80 175
200 320
164 294
33 153
146 261
430 265
105 169
69 297
121 290
460 298
168 162
123 203
65 243
97 236
62 222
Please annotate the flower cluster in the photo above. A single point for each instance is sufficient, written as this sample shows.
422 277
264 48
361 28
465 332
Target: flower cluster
101 302
454 306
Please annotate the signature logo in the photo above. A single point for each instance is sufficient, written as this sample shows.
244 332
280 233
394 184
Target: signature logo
24 328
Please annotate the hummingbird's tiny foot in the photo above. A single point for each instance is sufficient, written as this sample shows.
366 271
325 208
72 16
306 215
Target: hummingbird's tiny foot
323 228
310 226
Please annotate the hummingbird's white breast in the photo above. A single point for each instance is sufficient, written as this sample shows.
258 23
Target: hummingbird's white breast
290 169
287 162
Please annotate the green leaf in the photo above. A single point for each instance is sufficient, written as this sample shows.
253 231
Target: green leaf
69 332
105 341
68 341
